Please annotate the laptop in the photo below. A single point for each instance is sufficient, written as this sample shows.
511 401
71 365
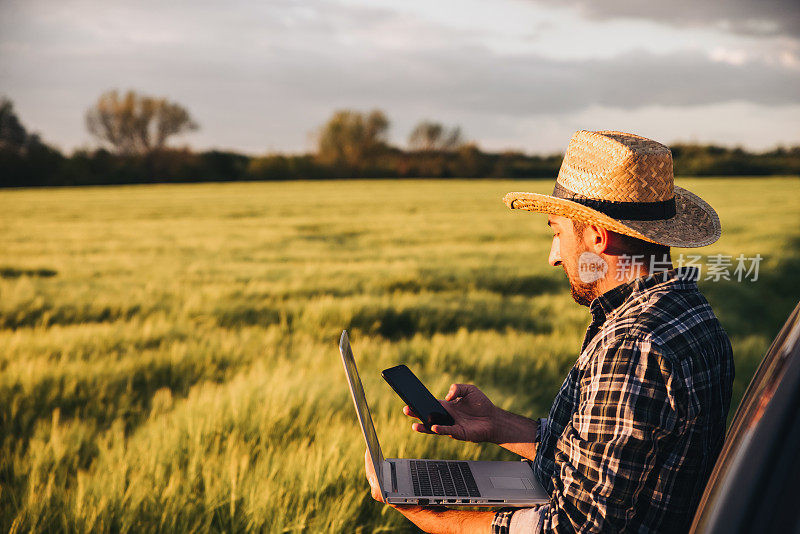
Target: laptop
450 483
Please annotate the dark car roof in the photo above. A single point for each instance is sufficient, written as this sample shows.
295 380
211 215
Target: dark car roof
755 485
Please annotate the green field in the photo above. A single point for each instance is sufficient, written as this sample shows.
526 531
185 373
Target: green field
168 355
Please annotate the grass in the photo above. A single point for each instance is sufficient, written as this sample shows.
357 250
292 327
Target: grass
168 354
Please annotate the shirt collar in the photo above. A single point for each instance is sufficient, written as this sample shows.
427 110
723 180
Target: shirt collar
613 299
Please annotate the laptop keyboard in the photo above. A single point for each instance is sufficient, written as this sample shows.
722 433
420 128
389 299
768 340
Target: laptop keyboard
443 478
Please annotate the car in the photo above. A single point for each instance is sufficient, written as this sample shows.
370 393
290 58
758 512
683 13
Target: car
755 484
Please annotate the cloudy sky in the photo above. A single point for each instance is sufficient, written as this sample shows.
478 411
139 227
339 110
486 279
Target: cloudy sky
262 75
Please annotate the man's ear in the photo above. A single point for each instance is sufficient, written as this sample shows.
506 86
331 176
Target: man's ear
596 238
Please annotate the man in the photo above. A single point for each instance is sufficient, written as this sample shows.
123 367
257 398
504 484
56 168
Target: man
639 421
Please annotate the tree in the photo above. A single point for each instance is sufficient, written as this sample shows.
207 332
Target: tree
137 124
353 139
13 135
430 136
24 159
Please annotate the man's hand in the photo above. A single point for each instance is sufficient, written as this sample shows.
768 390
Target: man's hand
372 478
480 421
473 412
433 519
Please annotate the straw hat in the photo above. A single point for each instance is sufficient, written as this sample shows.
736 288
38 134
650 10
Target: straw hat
624 183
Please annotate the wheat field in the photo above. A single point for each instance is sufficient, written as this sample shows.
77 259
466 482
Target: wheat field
168 357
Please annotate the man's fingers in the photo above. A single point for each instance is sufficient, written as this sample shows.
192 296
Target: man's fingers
375 489
419 427
409 412
452 393
440 429
452 431
458 390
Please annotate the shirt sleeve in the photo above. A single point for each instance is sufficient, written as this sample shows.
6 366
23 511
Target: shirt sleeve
540 428
608 449
502 522
519 521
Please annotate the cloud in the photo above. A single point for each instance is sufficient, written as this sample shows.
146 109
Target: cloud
530 84
747 17
755 126
264 75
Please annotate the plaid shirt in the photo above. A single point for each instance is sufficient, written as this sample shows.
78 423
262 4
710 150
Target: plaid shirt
638 423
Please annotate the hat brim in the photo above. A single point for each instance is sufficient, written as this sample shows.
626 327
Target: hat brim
695 223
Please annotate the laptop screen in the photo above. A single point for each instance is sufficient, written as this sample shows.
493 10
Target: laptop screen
360 400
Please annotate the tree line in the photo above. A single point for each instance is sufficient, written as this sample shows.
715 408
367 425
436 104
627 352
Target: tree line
133 131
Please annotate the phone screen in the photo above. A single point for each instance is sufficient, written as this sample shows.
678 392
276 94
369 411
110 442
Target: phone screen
417 396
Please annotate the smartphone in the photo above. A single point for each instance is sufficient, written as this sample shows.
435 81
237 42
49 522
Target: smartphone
417 396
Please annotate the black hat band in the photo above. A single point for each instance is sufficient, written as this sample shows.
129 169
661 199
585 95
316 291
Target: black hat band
630 211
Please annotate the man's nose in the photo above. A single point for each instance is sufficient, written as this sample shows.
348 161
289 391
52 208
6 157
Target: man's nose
555 253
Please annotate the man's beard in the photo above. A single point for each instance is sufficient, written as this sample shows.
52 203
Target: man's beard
582 293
